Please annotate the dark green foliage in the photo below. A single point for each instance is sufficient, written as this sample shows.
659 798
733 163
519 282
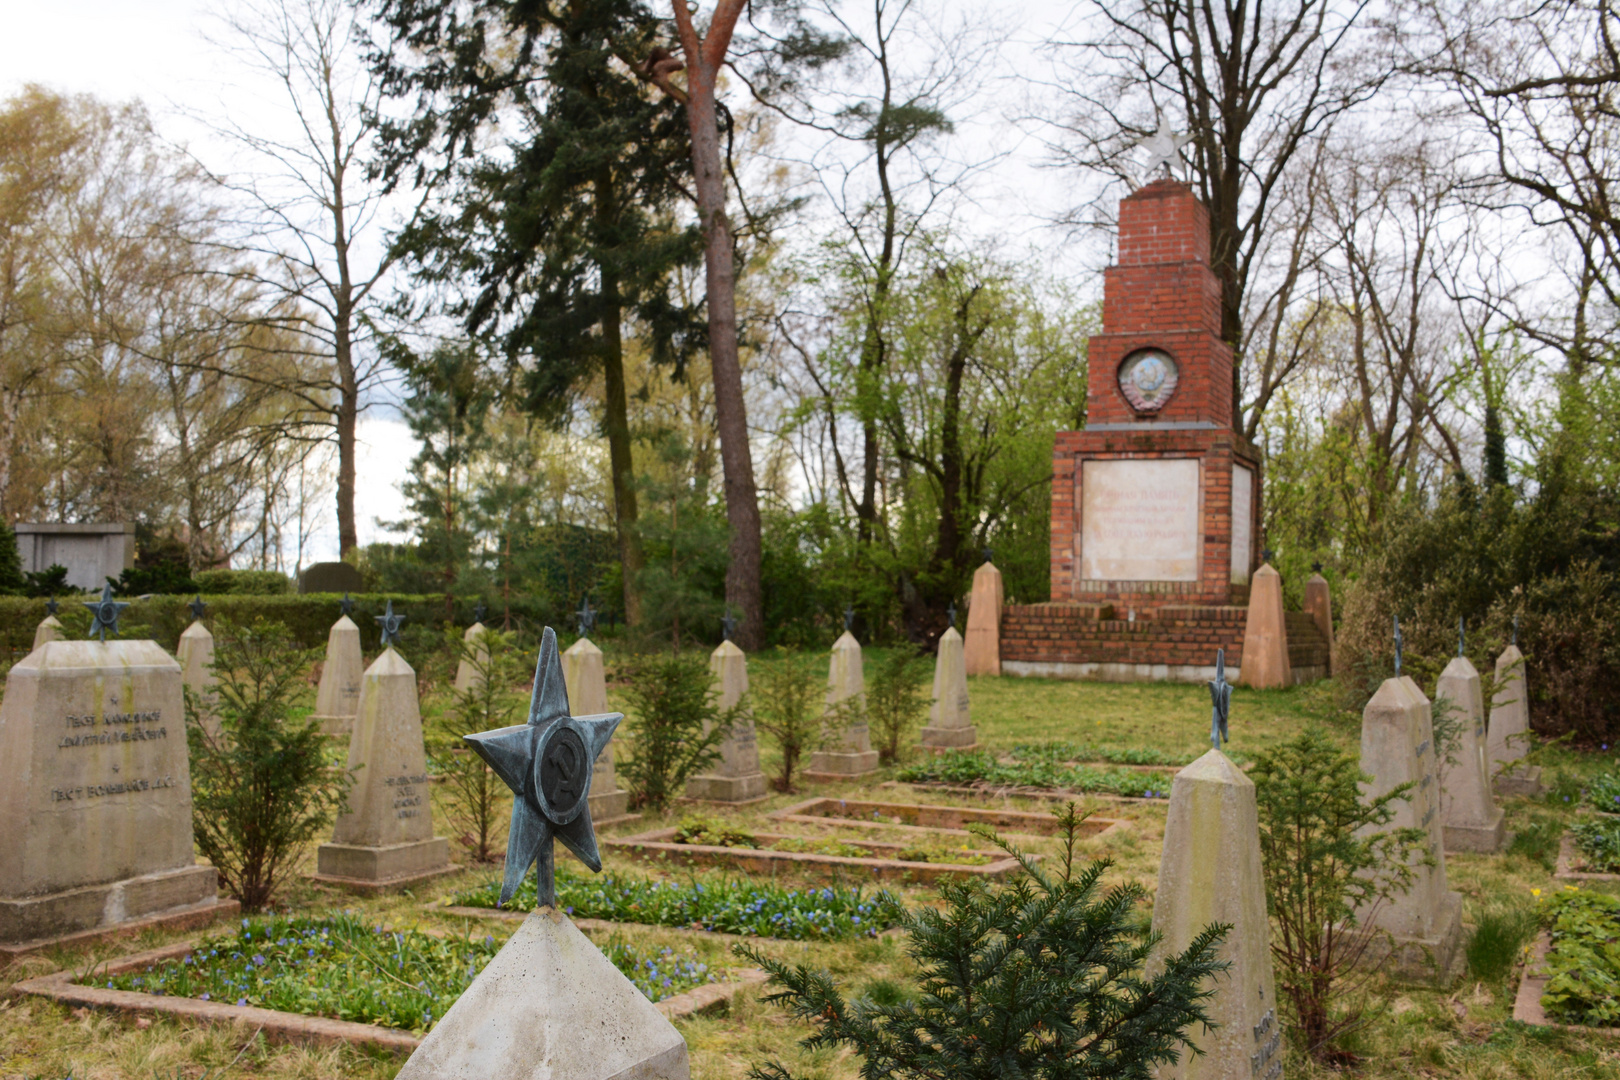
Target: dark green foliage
1494 464
1500 935
472 796
895 700
1585 985
982 768
786 702
1042 977
675 727
51 581
12 581
1329 858
163 577
1599 845
684 540
242 582
260 785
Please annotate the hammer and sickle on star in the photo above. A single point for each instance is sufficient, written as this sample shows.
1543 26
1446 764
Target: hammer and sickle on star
564 757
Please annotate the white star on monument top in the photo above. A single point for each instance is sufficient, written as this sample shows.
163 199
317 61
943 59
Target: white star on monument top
1164 148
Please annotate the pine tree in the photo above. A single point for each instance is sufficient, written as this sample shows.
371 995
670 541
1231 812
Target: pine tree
1040 978
11 571
566 229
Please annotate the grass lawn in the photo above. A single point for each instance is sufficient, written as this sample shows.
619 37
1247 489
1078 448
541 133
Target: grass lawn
1464 1032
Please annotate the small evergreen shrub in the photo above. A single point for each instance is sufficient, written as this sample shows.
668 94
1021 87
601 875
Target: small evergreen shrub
1043 977
472 796
787 707
12 581
260 785
676 727
896 701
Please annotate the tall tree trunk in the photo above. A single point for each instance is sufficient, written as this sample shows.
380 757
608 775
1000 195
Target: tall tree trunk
703 62
348 414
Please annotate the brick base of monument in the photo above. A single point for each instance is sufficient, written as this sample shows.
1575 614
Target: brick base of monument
382 869
184 897
1480 839
1171 643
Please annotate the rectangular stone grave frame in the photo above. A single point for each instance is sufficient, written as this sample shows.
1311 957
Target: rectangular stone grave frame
936 818
660 844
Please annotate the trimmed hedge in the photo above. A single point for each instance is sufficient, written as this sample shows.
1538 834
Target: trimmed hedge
242 582
309 617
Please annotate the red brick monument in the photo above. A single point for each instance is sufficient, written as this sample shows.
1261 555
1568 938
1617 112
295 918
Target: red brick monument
1156 504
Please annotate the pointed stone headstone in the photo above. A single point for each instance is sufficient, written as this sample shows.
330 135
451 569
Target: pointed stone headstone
1421 930
949 724
196 657
47 630
1509 737
97 800
1472 821
1319 606
736 777
386 840
1209 872
1265 636
846 682
983 651
337 699
550 1006
468 677
586 679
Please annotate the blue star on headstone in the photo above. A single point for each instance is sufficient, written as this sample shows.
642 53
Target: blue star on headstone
52 607
479 612
950 615
1399 645
346 605
989 554
1220 695
104 613
547 763
390 625
585 618
728 624
197 607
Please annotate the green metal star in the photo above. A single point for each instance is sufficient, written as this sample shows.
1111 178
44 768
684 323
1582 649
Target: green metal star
390 625
547 763
105 613
345 605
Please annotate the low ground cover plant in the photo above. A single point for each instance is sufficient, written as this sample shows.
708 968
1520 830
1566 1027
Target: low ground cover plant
1584 958
1599 845
1058 752
1603 793
1042 977
727 905
695 829
981 767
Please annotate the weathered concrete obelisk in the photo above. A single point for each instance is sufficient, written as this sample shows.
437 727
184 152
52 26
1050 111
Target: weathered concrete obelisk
982 651
1421 930
468 677
385 841
1265 636
949 724
1319 605
549 1006
49 629
846 706
196 657
97 799
337 699
1470 818
586 677
1509 736
736 777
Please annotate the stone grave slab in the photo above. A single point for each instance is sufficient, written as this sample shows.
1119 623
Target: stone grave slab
950 725
386 840
586 678
1421 931
1470 818
1508 740
97 803
337 699
468 678
846 682
1210 872
736 777
982 650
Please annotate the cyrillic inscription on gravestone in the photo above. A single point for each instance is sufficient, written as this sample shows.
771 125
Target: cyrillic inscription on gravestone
1139 520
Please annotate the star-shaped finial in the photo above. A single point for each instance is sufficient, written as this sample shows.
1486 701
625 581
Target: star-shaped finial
849 618
1316 567
390 625
105 613
1399 645
52 607
197 607
479 612
585 617
1462 634
1164 148
950 614
1220 694
346 605
728 623
1266 555
547 763
989 554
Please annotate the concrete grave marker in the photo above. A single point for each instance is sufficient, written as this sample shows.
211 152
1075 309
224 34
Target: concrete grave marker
736 777
97 799
196 657
1508 740
337 699
49 629
1319 606
386 839
1472 821
1210 872
586 679
468 677
983 647
1265 636
1421 930
846 682
949 723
